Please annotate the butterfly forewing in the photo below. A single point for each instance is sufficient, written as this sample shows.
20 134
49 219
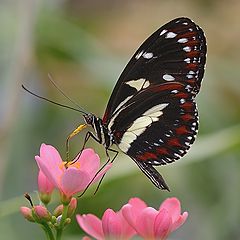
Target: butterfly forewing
152 113
175 52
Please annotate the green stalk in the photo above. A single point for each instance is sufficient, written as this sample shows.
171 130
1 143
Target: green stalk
48 231
61 225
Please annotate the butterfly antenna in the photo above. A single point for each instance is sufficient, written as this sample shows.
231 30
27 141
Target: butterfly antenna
64 94
51 101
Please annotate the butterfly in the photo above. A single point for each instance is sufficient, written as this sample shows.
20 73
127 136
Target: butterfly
152 115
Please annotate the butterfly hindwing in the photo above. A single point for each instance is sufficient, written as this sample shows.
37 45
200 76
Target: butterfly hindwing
159 126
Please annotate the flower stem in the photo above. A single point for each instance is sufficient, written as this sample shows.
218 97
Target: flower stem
48 231
61 225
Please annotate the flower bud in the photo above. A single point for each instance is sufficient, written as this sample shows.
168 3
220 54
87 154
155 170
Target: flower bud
67 221
42 213
72 207
58 210
27 213
45 188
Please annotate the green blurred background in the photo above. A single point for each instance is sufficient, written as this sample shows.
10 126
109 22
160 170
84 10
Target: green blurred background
85 45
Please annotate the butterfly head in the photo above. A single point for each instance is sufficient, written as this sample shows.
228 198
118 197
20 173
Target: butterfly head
89 118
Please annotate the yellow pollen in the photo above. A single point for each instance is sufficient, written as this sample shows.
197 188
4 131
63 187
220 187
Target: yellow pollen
69 164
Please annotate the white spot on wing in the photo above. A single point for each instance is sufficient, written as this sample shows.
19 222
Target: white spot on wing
147 55
187 49
139 55
182 40
182 100
146 84
162 32
168 77
156 109
171 35
137 84
187 60
140 123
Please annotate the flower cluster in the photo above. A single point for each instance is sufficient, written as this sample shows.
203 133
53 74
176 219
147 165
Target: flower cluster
68 178
135 218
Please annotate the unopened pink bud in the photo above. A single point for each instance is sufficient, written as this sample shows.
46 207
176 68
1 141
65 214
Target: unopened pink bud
27 213
72 207
42 213
45 188
58 210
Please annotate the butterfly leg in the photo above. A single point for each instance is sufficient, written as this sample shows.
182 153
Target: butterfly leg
87 137
116 153
153 175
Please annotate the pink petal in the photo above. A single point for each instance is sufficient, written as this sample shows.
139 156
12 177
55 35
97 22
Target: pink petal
52 174
129 215
162 225
127 230
181 220
138 204
49 152
173 206
111 224
44 185
89 161
91 225
100 174
49 162
145 223
74 181
132 210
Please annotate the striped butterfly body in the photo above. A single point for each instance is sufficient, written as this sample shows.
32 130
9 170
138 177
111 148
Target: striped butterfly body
152 115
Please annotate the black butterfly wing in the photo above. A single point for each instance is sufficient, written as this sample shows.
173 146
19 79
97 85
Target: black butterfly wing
152 112
156 127
175 52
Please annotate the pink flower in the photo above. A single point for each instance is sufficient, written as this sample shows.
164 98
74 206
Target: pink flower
73 178
112 226
152 224
44 185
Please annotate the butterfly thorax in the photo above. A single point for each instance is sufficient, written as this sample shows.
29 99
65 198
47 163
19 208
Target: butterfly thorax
102 134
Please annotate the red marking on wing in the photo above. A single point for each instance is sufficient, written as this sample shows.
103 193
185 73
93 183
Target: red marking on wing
181 95
182 130
191 43
162 151
169 86
187 106
192 54
187 117
186 35
147 155
118 134
192 66
174 142
105 117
